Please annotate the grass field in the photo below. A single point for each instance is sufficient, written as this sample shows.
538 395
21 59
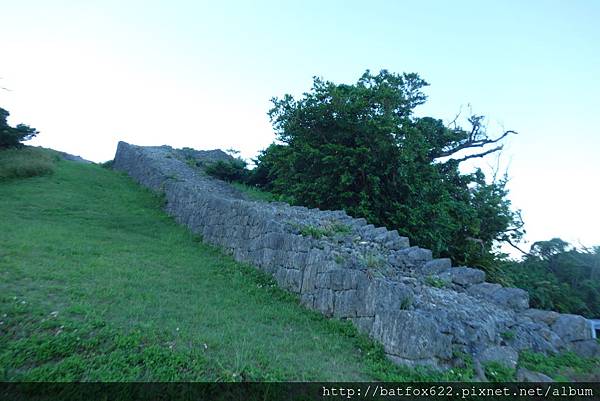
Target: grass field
97 283
26 162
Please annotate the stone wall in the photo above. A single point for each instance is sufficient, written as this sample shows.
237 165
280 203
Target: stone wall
423 310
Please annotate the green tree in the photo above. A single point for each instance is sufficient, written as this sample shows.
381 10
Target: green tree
12 137
547 249
359 148
229 170
559 277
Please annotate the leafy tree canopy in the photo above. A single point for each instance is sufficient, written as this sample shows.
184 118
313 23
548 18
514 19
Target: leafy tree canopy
12 137
359 148
559 277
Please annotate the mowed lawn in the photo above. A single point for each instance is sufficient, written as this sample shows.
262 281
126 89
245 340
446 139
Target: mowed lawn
98 283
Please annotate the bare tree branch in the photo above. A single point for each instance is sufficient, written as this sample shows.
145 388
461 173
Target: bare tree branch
453 123
482 154
517 248
475 138
473 143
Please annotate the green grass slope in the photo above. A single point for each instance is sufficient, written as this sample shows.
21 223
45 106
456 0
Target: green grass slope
97 283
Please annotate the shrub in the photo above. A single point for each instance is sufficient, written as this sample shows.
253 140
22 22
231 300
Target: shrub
231 170
496 372
255 193
312 231
508 335
25 162
435 282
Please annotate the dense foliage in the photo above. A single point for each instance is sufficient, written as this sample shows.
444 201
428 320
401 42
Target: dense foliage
233 170
559 277
359 148
11 137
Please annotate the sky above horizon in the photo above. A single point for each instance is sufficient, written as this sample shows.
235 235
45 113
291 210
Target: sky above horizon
201 74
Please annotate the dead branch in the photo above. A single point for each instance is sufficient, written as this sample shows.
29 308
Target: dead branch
472 142
517 248
482 154
453 123
475 138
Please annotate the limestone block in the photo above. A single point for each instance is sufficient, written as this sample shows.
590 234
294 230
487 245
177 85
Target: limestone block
572 328
504 355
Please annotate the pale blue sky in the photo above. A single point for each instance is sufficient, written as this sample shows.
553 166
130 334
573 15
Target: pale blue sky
201 74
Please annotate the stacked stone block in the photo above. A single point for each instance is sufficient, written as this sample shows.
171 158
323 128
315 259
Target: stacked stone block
423 310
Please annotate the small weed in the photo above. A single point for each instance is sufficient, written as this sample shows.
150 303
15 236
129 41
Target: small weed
435 282
465 372
336 227
406 303
312 231
497 372
374 264
339 259
373 260
258 194
329 230
191 162
508 335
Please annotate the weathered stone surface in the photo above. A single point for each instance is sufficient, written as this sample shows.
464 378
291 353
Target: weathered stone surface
323 301
419 255
539 315
572 328
394 241
436 266
290 279
504 355
340 279
384 295
355 271
465 275
473 324
429 362
535 337
309 278
411 335
347 303
514 298
526 375
364 324
586 348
